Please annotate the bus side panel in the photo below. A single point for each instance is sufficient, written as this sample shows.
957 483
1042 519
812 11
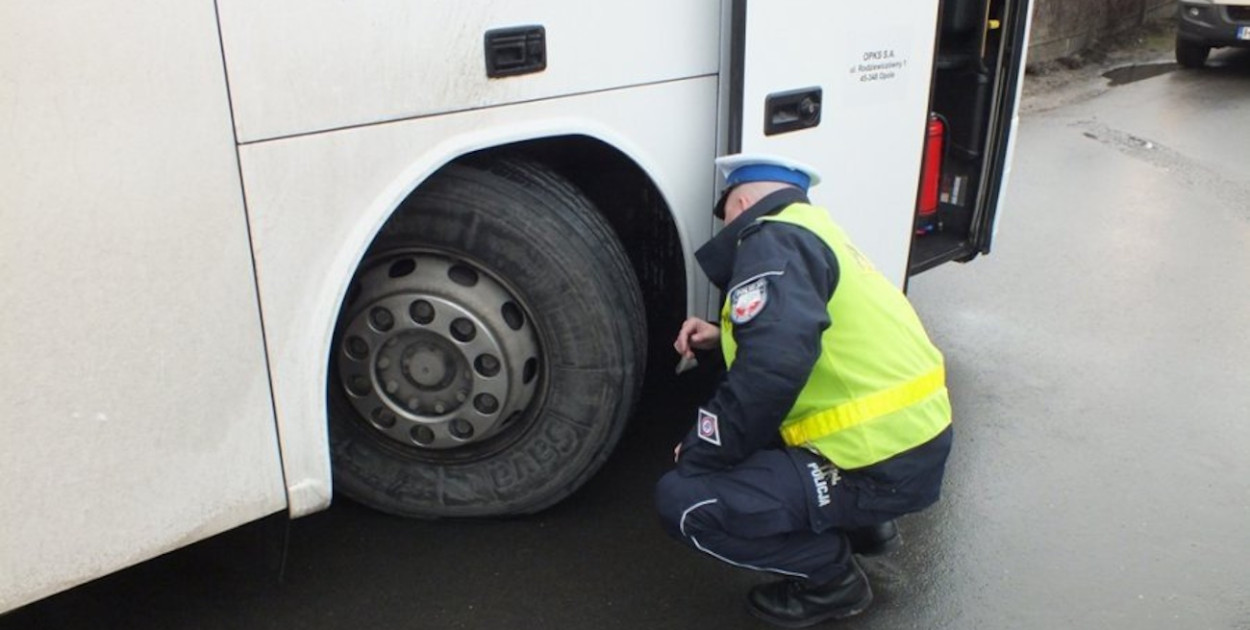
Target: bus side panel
317 201
299 66
134 400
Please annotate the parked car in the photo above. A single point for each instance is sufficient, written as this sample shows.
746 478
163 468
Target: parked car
1206 24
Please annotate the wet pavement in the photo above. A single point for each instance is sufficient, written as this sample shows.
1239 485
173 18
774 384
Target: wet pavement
1101 478
1099 368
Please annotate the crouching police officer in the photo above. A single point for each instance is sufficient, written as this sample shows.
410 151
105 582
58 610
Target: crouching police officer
833 416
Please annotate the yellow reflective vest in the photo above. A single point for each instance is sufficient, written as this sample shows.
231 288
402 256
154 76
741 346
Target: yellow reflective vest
878 387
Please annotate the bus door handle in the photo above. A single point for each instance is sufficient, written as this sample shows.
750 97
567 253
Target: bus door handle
516 51
792 110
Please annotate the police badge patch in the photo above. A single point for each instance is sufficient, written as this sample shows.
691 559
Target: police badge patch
748 300
709 427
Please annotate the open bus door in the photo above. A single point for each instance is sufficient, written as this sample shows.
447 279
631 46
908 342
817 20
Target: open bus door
978 72
857 92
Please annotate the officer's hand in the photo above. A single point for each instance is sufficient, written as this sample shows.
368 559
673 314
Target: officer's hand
696 334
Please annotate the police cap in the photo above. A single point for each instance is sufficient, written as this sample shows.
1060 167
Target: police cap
743 168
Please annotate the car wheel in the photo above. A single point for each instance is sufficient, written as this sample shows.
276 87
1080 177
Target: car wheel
489 350
1191 54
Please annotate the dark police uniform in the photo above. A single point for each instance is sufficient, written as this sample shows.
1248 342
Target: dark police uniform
738 492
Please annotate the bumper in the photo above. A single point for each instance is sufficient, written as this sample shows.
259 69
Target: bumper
1214 24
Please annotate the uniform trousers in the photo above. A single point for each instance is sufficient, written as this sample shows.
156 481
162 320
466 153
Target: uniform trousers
782 511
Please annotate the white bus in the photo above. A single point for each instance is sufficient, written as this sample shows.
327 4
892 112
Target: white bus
412 251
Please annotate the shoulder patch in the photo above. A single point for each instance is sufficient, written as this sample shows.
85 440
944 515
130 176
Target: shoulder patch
748 300
709 427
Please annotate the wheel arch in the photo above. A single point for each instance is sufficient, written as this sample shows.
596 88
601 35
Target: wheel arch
612 173
596 160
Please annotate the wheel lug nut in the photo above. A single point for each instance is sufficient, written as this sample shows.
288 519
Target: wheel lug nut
384 363
439 408
358 385
486 403
462 395
413 404
461 429
357 348
383 418
381 319
422 312
392 387
422 435
463 330
486 365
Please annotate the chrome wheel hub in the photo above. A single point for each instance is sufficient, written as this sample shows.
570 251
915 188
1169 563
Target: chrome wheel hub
439 353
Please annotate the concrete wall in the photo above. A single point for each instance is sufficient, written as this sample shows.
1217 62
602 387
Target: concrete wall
1065 27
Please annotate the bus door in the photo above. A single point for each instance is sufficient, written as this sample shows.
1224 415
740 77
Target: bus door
978 72
906 108
844 87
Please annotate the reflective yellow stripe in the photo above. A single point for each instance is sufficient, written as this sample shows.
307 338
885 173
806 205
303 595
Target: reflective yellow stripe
857 411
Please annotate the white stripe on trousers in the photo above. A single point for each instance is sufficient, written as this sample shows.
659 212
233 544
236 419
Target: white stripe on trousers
723 558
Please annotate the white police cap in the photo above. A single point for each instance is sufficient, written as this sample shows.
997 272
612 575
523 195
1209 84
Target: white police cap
742 168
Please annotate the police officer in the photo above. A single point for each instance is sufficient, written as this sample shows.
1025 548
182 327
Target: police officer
832 418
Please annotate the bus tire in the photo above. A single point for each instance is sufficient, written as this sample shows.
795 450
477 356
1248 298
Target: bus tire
520 254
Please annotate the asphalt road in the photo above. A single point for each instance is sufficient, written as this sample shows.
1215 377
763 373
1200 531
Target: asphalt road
1101 477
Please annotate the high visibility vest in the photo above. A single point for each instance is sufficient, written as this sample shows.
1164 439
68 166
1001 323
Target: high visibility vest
879 387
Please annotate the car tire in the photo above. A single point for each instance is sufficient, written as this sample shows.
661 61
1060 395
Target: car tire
424 422
1191 54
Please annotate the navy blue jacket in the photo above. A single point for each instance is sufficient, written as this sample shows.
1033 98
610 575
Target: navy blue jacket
778 347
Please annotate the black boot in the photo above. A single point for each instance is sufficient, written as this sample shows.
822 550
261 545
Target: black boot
875 540
794 603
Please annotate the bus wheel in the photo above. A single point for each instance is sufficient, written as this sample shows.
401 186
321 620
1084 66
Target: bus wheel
489 350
